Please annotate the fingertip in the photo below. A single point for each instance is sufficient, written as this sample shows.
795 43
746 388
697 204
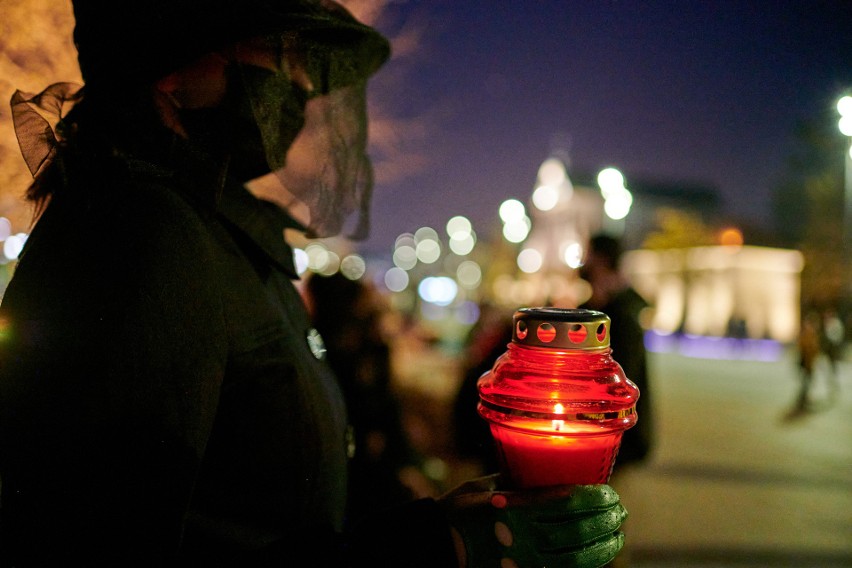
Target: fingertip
499 501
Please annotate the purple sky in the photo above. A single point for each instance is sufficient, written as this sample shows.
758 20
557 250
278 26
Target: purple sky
704 92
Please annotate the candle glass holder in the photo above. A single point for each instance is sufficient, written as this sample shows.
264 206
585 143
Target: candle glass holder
556 400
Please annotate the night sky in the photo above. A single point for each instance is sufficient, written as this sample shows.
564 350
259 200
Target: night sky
705 93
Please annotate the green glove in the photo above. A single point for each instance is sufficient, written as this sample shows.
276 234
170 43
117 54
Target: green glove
565 526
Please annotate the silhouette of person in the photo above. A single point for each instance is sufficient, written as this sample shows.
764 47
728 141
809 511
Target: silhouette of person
486 341
809 352
832 338
164 398
612 294
385 469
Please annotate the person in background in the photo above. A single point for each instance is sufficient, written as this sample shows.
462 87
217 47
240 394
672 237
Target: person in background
485 342
832 339
612 294
164 397
385 469
809 353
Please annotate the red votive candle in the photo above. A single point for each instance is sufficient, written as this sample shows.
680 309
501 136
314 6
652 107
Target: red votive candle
557 401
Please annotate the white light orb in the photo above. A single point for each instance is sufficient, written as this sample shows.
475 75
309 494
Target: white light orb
845 125
512 210
610 180
405 257
617 206
572 254
353 266
844 106
440 290
428 251
462 244
545 197
518 230
458 226
469 274
530 260
396 279
300 259
425 234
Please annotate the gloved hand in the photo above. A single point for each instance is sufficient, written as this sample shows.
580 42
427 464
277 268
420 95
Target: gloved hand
557 527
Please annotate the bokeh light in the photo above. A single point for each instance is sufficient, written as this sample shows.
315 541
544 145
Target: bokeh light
428 250
512 210
530 260
458 227
353 266
517 230
572 254
439 290
396 279
300 259
545 197
469 274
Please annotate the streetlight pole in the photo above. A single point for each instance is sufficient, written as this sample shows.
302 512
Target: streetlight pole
844 107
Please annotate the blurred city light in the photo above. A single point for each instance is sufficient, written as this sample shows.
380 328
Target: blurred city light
469 274
353 266
610 180
321 259
545 197
428 251
517 230
439 290
844 107
458 227
405 257
5 228
13 245
425 234
530 260
617 205
572 254
512 211
617 198
396 279
731 237
300 259
462 244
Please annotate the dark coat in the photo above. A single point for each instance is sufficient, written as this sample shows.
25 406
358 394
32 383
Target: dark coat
162 397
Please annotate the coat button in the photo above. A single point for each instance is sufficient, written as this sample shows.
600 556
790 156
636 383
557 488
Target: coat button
316 344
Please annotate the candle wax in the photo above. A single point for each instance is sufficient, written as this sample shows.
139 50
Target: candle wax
532 460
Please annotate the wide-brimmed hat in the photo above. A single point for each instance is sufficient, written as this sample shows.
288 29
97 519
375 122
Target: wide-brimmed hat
142 40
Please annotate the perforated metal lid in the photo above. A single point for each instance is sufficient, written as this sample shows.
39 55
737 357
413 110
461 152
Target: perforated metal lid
561 328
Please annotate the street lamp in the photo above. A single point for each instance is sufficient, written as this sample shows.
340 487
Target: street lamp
617 198
844 107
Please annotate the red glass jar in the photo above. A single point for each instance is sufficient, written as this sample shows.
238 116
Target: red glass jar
557 402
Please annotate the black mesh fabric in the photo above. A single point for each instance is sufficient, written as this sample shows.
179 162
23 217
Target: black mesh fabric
327 169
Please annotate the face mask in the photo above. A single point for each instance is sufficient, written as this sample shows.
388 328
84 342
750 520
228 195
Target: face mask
254 126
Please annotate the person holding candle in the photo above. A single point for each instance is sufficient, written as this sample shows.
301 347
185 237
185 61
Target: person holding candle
164 399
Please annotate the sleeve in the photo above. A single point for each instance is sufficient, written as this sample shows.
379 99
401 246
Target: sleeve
110 370
415 535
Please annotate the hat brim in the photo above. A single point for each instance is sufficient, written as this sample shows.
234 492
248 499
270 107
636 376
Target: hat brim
144 41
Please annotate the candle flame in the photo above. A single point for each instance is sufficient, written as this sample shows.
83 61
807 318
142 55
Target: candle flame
558 424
